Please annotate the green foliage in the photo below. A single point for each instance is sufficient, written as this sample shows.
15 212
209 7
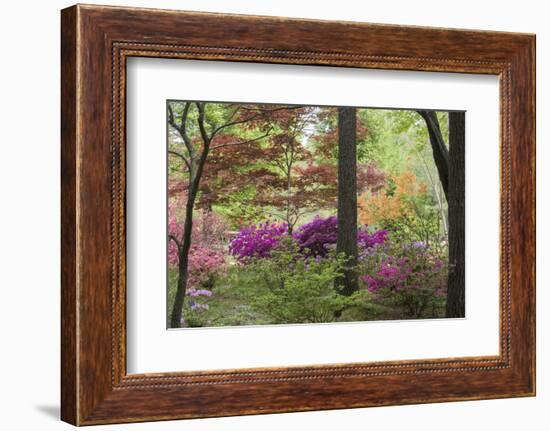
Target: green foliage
238 210
422 223
193 319
299 290
396 137
387 136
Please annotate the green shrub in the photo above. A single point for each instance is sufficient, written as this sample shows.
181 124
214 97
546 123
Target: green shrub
294 289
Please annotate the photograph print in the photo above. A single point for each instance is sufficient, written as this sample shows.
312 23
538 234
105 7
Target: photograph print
293 214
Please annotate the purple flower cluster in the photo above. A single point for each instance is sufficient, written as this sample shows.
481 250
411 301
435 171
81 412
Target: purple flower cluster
414 271
314 239
319 236
257 241
393 273
195 306
367 240
198 292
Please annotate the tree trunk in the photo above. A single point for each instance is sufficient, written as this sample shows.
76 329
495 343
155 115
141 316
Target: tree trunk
456 196
347 198
183 264
289 223
439 149
183 273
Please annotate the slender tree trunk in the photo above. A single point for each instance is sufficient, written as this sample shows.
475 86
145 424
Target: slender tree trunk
439 149
436 186
456 283
444 215
289 223
347 198
183 264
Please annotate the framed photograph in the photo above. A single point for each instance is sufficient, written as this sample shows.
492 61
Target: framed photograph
266 215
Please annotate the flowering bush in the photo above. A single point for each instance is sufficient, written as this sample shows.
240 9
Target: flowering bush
209 230
199 292
196 302
367 240
194 313
411 276
376 208
319 236
205 265
195 305
316 238
257 241
406 209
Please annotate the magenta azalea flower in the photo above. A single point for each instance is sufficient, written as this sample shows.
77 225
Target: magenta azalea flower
257 241
319 236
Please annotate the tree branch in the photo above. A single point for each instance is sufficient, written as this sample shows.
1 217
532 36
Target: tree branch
173 238
171 120
184 115
231 144
181 156
252 117
439 149
204 134
233 123
181 128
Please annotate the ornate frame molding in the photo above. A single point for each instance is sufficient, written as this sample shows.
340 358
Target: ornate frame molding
96 41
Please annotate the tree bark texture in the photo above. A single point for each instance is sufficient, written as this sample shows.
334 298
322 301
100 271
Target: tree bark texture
196 167
456 197
183 263
347 198
439 149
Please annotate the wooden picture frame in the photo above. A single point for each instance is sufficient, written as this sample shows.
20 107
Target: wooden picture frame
95 43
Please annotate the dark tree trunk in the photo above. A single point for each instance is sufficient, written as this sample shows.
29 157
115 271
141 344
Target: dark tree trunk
439 149
183 264
347 198
456 283
290 225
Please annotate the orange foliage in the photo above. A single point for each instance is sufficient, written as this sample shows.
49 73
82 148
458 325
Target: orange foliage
376 207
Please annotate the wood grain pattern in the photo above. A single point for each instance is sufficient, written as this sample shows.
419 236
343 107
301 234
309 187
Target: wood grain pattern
68 218
96 41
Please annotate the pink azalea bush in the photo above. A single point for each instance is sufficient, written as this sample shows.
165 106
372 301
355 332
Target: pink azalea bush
205 265
209 230
411 276
207 259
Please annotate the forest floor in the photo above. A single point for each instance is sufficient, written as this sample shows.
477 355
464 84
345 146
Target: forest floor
231 304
